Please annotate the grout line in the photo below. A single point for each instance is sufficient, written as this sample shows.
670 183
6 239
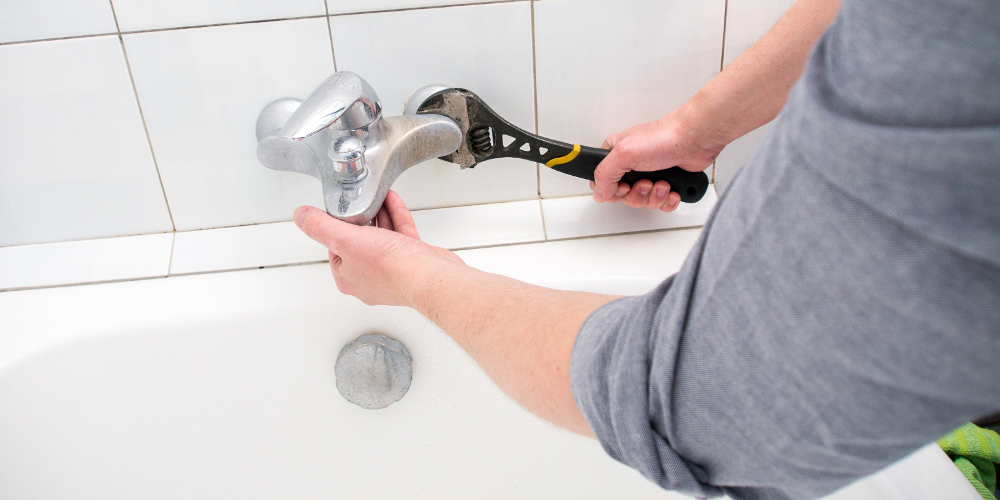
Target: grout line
142 117
254 21
329 31
627 233
215 25
251 268
58 38
534 95
541 213
725 21
472 205
85 283
427 7
173 245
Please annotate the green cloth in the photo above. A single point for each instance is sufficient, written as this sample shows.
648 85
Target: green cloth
976 452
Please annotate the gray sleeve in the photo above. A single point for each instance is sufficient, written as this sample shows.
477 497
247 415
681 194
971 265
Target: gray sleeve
840 308
609 373
807 341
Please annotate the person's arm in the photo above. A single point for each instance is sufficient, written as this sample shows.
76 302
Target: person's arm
747 94
522 335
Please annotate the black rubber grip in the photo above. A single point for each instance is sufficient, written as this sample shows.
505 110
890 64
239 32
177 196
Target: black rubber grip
691 186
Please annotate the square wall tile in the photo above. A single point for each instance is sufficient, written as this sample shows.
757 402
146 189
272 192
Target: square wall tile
579 216
74 159
201 90
134 15
34 20
486 49
243 247
481 225
606 66
86 261
732 158
355 6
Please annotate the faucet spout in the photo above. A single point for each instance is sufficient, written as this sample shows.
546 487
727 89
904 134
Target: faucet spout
338 135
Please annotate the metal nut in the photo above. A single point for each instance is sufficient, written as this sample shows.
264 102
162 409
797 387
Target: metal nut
373 371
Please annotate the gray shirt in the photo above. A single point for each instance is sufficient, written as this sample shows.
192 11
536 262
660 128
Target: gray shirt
842 306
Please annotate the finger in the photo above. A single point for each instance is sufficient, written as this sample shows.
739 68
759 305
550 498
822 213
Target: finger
326 230
607 175
638 196
658 196
610 142
623 189
673 201
382 218
402 220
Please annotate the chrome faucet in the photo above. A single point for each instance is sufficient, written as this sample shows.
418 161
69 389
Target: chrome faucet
338 135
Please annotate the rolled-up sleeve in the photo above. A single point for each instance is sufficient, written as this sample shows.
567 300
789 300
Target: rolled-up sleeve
609 373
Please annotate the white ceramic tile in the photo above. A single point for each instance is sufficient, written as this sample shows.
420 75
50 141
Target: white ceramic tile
154 14
484 48
481 225
243 247
201 90
746 22
28 20
641 261
735 155
606 66
74 159
87 261
578 216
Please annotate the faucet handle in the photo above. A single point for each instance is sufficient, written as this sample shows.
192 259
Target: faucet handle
344 100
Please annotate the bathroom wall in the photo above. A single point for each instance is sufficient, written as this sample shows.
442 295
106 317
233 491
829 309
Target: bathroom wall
136 117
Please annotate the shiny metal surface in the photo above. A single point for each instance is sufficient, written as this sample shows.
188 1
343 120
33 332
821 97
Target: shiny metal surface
275 115
373 371
338 135
348 155
344 101
421 95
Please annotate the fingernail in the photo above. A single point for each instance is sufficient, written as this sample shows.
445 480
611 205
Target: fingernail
598 191
644 190
300 215
622 190
661 192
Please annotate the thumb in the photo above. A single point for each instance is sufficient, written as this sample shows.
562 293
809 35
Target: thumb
607 175
327 231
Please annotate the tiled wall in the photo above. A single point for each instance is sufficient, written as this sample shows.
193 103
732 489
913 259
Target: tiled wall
135 117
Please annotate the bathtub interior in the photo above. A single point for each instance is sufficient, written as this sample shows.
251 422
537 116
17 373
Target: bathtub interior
221 386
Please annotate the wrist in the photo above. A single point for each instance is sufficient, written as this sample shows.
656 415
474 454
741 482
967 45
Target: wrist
425 280
703 123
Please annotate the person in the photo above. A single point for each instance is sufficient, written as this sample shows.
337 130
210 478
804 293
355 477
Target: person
842 305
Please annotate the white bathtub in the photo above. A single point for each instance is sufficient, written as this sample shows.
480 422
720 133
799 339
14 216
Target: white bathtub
222 386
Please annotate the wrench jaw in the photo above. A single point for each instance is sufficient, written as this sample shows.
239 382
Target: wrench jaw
453 103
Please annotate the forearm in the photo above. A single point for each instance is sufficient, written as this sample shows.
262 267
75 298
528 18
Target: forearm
752 89
522 335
